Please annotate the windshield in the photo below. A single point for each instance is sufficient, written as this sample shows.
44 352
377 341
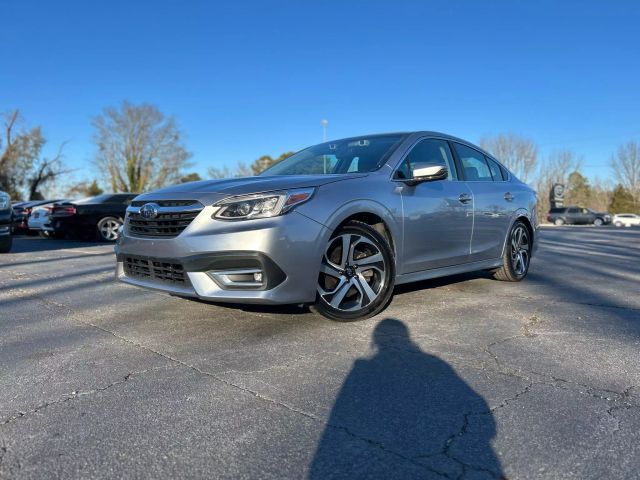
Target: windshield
351 155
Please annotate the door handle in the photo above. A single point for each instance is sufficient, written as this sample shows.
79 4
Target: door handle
508 197
465 198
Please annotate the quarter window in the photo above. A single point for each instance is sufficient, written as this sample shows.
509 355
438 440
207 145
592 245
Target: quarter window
429 150
473 163
496 172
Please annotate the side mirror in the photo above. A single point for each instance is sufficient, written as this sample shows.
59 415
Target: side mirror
427 172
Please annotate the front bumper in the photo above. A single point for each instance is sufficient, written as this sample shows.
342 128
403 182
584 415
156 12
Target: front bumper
286 250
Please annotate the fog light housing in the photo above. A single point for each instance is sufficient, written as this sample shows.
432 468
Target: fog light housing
238 278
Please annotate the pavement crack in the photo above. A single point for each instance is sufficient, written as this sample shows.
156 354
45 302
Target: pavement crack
446 448
72 396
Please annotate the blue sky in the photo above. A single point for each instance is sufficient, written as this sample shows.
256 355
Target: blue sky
245 79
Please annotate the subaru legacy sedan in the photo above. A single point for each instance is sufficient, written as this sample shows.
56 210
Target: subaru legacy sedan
335 226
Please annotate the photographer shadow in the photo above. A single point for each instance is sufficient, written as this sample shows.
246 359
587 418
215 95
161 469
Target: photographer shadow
406 414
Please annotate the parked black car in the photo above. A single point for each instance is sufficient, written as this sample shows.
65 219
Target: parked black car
577 216
21 212
6 214
90 218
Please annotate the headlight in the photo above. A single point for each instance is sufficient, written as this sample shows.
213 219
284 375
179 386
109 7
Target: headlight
261 205
4 201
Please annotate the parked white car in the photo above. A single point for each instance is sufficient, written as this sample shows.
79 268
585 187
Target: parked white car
38 221
626 220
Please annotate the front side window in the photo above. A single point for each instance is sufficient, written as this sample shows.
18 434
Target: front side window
351 155
473 163
429 150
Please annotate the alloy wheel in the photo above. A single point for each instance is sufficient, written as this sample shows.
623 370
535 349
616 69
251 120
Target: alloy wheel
109 229
520 250
352 273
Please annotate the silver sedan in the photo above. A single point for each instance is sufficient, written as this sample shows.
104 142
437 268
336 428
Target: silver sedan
336 226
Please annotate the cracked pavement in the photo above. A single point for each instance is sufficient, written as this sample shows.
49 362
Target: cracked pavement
461 377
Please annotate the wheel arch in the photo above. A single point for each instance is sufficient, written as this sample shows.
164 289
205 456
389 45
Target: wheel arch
525 217
373 214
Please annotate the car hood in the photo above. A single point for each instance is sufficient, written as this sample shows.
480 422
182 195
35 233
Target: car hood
248 185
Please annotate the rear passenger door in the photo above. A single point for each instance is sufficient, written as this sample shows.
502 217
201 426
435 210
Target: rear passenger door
493 203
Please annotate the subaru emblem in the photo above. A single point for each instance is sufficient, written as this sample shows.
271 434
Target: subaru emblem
149 210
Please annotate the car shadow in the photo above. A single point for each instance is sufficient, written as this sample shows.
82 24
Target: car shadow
302 309
404 413
29 244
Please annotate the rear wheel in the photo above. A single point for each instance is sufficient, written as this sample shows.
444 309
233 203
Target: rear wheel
517 255
357 274
559 221
108 228
598 222
618 224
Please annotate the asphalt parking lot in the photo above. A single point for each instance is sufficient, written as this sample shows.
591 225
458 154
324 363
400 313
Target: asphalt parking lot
463 377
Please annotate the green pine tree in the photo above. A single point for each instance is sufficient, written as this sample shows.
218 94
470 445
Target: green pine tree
578 191
621 201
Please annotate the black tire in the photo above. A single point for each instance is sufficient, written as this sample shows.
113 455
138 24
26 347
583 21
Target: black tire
558 221
352 298
6 242
44 233
598 222
512 269
618 224
105 228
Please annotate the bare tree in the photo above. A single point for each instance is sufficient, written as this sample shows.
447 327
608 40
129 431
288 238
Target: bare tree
241 170
555 169
19 149
601 195
21 164
626 168
139 148
519 154
44 172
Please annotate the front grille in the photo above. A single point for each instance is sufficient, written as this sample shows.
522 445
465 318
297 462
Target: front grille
168 223
153 269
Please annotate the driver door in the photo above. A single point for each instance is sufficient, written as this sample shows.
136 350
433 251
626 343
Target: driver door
438 215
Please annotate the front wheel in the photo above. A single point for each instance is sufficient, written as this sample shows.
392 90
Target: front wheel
517 255
559 221
357 274
618 224
598 222
108 228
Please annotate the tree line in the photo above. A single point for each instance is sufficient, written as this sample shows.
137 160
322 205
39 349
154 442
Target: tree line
138 148
521 155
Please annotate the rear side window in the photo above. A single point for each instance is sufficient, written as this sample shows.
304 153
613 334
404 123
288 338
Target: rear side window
474 164
429 150
557 210
496 171
573 210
